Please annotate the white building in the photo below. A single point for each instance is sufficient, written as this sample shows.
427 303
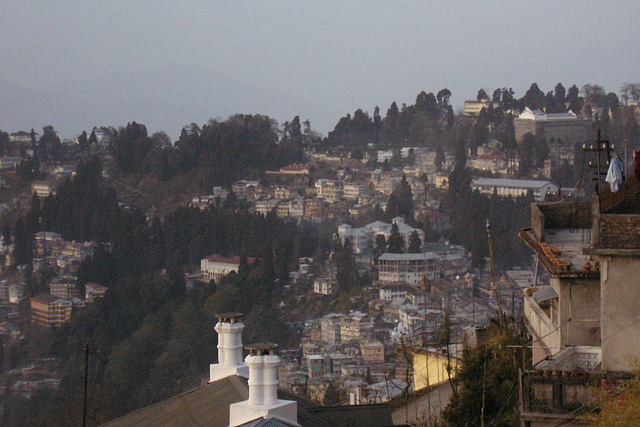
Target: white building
352 191
263 207
362 239
407 268
217 266
385 155
324 286
514 187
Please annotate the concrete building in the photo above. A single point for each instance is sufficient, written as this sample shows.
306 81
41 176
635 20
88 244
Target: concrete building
64 287
325 286
216 266
472 107
362 239
93 291
372 352
407 268
586 320
567 127
514 187
47 310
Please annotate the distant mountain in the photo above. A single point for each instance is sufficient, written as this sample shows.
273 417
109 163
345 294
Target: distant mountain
163 99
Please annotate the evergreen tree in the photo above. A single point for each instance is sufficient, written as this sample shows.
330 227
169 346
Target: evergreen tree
395 245
414 243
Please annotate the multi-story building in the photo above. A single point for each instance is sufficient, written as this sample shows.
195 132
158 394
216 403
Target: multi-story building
64 287
586 319
216 266
472 107
296 208
514 187
567 127
330 328
408 268
313 209
324 286
93 291
47 310
352 190
355 326
263 207
372 352
362 239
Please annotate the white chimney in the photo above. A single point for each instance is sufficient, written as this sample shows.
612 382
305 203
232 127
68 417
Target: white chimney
229 329
263 390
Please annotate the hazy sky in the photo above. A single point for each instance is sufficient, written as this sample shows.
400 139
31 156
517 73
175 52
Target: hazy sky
338 55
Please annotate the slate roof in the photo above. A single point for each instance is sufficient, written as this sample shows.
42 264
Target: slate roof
209 406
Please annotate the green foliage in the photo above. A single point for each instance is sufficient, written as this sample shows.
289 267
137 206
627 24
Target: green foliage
619 406
414 243
488 382
395 245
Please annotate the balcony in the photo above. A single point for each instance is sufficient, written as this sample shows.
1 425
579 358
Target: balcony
538 305
563 397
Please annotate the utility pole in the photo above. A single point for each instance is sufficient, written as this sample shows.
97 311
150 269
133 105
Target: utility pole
87 351
495 289
601 145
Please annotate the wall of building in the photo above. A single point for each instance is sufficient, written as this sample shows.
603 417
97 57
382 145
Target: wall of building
431 369
620 321
579 300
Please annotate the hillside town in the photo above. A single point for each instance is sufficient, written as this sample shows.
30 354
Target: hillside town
384 312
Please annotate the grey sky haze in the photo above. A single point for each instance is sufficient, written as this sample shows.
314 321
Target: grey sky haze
333 56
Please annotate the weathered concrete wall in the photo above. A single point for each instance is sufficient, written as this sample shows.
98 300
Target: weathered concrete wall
619 231
620 313
580 302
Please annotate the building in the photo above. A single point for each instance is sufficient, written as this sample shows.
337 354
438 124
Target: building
47 310
93 291
216 266
431 368
472 107
330 328
355 326
514 187
586 319
412 269
64 287
372 352
9 162
43 188
567 127
362 239
325 286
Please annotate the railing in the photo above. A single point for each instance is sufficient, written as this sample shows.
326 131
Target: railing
539 324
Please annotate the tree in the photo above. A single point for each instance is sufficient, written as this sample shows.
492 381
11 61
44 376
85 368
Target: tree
487 378
414 243
83 141
534 98
380 246
401 200
482 95
525 154
395 244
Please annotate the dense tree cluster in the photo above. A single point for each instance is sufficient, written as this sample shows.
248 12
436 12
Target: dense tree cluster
219 153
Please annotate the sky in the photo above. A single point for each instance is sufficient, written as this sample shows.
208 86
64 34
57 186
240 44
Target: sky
325 58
